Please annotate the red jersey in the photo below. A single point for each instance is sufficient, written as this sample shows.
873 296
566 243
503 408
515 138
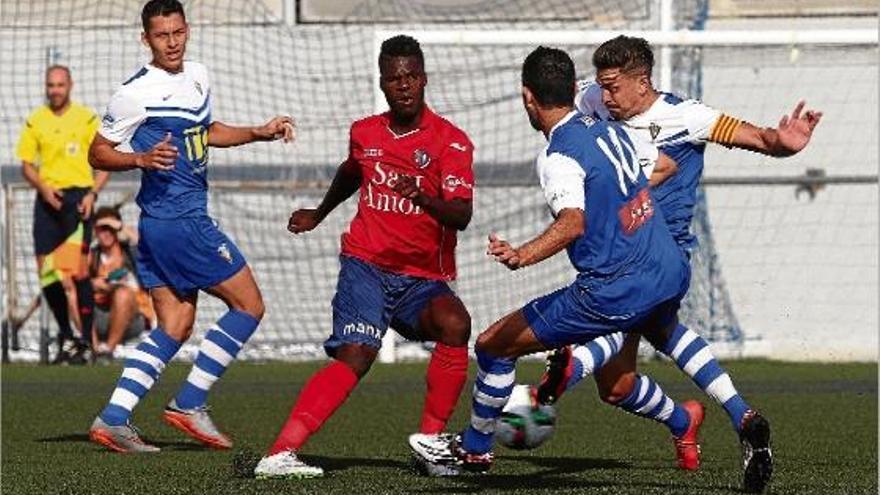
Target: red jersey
389 231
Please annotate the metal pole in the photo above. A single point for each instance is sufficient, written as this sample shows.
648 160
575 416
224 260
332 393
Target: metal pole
667 24
388 352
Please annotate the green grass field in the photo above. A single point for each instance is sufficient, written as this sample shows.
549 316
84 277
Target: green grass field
824 420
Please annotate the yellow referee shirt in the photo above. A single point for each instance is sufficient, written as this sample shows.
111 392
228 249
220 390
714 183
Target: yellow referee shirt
60 144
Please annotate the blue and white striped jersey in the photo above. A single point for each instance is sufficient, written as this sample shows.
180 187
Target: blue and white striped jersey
151 104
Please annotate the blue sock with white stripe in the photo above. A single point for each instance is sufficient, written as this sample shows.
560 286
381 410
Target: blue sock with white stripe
692 354
495 377
648 400
218 349
140 371
589 357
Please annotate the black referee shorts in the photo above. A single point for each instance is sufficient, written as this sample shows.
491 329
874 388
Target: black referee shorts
52 227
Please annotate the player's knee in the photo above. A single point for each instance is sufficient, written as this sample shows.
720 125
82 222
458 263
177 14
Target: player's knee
123 297
613 392
357 357
485 344
257 308
253 306
455 329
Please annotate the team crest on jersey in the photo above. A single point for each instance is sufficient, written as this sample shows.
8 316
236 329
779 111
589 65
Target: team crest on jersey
72 148
654 129
224 253
421 158
199 88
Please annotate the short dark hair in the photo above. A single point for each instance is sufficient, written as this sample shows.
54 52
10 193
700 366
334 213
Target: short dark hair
156 8
549 75
401 46
629 54
107 212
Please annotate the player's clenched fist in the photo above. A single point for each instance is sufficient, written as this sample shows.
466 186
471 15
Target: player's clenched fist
160 157
278 128
303 220
503 252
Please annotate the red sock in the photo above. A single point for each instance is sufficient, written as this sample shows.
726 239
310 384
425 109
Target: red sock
446 375
318 400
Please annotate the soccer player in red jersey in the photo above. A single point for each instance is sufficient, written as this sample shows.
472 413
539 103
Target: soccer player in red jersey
414 173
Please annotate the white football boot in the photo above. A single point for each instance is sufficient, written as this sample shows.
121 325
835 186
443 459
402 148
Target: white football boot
285 465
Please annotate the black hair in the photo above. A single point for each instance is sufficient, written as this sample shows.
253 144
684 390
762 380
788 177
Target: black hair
629 54
401 46
549 75
156 8
107 211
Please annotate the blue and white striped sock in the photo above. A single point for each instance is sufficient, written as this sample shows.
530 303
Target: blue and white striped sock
140 371
218 349
589 357
495 377
648 400
692 354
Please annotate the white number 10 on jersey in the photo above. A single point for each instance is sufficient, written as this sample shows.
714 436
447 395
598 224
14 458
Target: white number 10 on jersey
627 166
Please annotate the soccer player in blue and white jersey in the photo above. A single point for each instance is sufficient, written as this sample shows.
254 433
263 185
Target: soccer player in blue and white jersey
680 129
631 274
164 113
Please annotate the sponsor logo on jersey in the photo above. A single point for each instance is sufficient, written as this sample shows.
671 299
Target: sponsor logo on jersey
421 158
458 146
654 129
451 183
107 120
636 212
224 253
372 152
380 194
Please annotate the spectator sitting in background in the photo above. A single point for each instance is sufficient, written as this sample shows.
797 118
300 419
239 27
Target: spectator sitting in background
122 308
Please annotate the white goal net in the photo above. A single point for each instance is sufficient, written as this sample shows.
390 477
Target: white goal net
324 75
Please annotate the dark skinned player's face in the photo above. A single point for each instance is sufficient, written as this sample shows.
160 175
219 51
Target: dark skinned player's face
403 81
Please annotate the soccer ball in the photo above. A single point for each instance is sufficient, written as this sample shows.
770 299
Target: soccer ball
525 424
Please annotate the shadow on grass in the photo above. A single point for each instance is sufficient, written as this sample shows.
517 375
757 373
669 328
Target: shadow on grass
342 463
556 474
84 438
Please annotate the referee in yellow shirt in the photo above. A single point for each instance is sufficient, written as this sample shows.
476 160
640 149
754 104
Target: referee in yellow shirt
53 149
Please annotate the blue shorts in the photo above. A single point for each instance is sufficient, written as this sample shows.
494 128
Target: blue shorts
564 317
186 254
369 299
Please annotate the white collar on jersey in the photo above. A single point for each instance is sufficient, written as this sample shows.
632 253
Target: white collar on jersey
561 122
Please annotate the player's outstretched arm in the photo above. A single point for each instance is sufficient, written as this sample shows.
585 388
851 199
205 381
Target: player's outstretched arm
455 213
791 136
221 135
345 183
103 155
568 226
